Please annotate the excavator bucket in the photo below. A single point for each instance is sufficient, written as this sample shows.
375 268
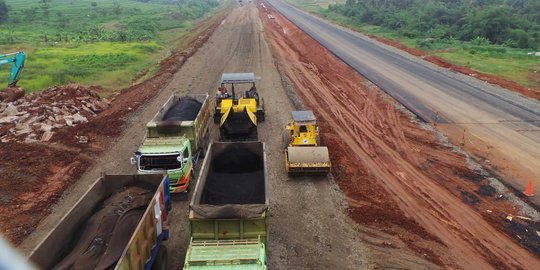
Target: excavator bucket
238 126
307 160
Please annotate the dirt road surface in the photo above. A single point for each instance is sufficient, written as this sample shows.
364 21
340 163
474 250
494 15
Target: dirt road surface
302 236
499 127
383 148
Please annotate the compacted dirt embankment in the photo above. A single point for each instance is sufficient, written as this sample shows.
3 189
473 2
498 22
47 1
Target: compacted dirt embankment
397 176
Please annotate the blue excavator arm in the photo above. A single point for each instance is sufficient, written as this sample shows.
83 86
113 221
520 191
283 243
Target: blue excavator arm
17 59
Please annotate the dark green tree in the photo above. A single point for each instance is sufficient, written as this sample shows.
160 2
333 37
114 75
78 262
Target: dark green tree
3 11
30 14
117 9
493 23
511 22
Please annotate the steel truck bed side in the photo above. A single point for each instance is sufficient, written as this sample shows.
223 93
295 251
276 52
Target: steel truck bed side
229 206
144 244
196 130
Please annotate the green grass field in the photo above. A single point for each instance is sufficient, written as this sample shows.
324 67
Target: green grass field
94 42
509 63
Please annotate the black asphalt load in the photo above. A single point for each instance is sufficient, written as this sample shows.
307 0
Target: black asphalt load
186 109
235 177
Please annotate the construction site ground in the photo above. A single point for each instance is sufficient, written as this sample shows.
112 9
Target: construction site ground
398 196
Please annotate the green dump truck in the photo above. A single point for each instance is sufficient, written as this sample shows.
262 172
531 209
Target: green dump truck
119 223
176 138
228 210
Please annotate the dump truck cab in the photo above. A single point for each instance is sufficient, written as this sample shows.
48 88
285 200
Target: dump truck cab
167 155
238 107
248 254
176 138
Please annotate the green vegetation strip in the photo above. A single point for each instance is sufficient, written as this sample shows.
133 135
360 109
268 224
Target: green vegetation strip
496 37
94 42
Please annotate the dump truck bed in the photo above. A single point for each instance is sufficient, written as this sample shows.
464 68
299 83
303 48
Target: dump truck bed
142 244
186 115
229 203
232 179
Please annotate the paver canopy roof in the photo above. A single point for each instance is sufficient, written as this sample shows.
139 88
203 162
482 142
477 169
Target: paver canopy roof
238 77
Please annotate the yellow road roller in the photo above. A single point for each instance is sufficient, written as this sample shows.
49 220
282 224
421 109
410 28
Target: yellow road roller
303 153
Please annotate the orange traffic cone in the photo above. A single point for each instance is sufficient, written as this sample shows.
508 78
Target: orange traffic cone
529 191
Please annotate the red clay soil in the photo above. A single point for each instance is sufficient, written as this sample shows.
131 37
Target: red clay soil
493 79
397 177
397 44
35 175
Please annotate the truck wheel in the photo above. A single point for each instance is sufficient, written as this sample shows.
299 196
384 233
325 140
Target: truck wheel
160 263
260 117
191 179
204 147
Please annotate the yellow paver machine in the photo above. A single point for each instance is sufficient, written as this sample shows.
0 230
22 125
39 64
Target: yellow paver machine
238 111
303 153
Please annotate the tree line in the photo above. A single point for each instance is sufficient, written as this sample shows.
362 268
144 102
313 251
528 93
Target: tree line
514 23
135 24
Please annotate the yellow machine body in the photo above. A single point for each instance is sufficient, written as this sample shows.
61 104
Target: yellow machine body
244 104
303 153
303 135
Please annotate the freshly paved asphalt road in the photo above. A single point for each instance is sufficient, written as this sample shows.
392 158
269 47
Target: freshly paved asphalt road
503 121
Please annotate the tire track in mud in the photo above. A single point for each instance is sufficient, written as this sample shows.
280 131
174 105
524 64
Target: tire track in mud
458 236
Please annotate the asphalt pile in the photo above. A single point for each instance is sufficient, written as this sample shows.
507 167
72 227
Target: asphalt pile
235 177
37 116
185 109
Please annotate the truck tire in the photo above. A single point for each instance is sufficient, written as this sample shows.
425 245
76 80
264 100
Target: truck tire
206 139
260 117
192 178
160 263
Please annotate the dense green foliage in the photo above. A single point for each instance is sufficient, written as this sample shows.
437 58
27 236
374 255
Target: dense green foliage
513 23
96 42
99 20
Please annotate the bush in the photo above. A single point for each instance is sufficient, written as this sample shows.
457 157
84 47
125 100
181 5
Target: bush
426 43
480 41
519 39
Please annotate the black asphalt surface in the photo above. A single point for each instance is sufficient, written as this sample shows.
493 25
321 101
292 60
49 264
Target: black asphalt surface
357 51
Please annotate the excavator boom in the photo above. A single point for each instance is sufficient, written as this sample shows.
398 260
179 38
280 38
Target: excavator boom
17 60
